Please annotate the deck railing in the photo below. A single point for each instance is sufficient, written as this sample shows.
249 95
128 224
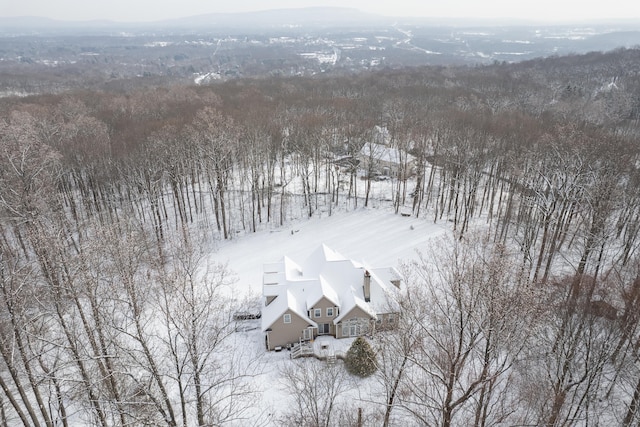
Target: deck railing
307 349
302 349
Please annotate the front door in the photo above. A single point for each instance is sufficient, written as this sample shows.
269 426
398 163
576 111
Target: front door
307 334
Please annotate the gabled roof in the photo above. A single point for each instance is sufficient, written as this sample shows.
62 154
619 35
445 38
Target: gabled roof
352 298
318 260
385 153
322 290
287 299
325 274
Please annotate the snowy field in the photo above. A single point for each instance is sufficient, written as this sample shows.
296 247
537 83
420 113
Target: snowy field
376 236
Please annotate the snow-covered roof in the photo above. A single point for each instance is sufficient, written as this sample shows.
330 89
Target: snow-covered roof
322 290
384 298
287 299
325 274
385 153
354 297
319 258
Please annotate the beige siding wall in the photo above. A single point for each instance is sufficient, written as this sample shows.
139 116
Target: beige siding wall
323 305
282 333
355 313
386 321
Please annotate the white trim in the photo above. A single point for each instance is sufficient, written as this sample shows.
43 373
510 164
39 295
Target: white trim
307 334
355 327
286 318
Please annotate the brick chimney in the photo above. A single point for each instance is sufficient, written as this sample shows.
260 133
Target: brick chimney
367 286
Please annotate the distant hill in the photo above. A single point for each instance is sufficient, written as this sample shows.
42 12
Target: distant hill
313 16
35 24
239 23
278 18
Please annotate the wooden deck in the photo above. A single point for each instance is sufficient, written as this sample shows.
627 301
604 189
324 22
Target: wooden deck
321 350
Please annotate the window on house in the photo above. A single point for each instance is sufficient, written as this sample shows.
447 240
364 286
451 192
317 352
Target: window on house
330 312
323 328
391 318
354 327
317 312
287 318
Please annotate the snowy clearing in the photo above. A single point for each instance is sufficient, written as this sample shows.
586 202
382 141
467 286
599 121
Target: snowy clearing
377 236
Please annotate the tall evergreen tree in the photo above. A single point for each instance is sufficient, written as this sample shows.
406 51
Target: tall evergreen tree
361 359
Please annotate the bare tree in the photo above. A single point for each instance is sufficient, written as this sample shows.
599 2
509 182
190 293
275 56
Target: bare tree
568 370
216 137
469 308
197 313
315 388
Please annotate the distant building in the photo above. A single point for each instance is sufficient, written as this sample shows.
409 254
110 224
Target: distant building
326 295
384 160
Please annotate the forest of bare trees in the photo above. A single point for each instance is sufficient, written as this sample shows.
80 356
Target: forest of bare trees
113 315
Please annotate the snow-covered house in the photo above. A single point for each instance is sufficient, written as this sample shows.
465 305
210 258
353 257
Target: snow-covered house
327 294
385 160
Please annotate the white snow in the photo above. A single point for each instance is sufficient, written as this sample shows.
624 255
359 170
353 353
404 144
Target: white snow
373 236
158 44
385 153
323 57
206 78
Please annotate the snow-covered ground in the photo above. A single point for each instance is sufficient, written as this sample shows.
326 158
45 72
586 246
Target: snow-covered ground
376 236
274 398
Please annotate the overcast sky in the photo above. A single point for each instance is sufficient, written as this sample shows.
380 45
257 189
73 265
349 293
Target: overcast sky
151 10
